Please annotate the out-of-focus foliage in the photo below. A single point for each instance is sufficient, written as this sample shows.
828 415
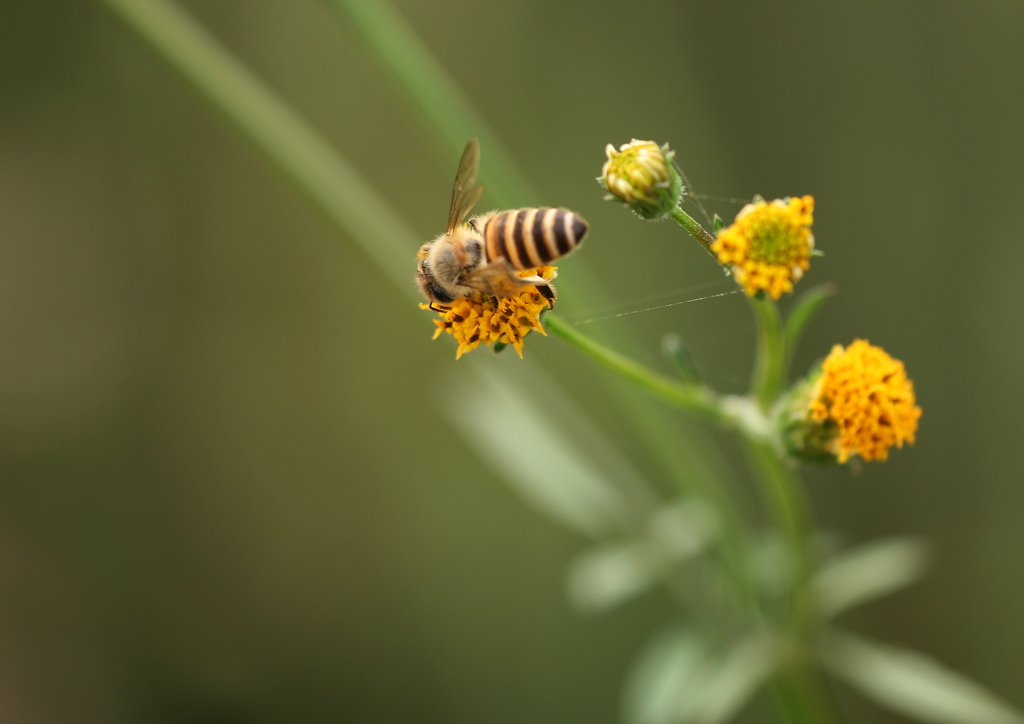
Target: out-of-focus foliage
230 494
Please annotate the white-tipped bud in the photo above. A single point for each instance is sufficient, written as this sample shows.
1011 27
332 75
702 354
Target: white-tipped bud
642 175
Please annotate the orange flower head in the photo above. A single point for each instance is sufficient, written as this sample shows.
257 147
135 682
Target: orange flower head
769 245
869 399
481 318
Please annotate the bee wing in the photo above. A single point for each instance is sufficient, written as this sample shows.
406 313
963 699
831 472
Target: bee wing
465 192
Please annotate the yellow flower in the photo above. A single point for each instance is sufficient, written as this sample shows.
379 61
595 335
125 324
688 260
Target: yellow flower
641 174
769 245
868 397
483 318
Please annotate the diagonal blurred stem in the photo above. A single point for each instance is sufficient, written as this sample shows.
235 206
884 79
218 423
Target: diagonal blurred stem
277 131
431 93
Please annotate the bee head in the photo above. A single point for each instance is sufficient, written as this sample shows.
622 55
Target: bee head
428 285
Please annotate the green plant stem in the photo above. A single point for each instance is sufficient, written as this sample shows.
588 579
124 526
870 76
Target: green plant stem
799 689
735 536
695 230
695 398
771 354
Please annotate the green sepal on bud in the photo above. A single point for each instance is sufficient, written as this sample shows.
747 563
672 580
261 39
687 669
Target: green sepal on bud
642 175
804 437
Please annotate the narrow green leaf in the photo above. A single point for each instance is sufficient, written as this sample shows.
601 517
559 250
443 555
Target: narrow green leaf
912 683
805 306
515 435
868 572
661 673
681 530
609 575
733 680
680 679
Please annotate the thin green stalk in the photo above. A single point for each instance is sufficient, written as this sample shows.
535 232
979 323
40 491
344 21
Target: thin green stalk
695 230
799 688
771 355
694 398
800 691
734 538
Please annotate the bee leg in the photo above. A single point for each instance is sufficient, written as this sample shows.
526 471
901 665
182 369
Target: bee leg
435 308
548 292
545 288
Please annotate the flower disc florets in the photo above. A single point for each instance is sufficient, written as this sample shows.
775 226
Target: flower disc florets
769 245
481 318
862 403
643 176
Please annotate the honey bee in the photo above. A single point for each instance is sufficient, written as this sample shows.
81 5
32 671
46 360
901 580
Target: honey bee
485 253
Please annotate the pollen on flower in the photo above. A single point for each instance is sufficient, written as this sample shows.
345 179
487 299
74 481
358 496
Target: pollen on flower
482 319
769 245
867 395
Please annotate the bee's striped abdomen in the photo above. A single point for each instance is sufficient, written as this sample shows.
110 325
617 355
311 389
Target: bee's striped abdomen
530 238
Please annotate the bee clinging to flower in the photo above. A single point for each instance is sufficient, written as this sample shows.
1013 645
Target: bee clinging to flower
487 253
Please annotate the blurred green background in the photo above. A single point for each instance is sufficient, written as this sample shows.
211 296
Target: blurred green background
228 490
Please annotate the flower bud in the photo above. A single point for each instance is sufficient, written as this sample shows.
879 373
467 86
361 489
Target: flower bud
642 175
